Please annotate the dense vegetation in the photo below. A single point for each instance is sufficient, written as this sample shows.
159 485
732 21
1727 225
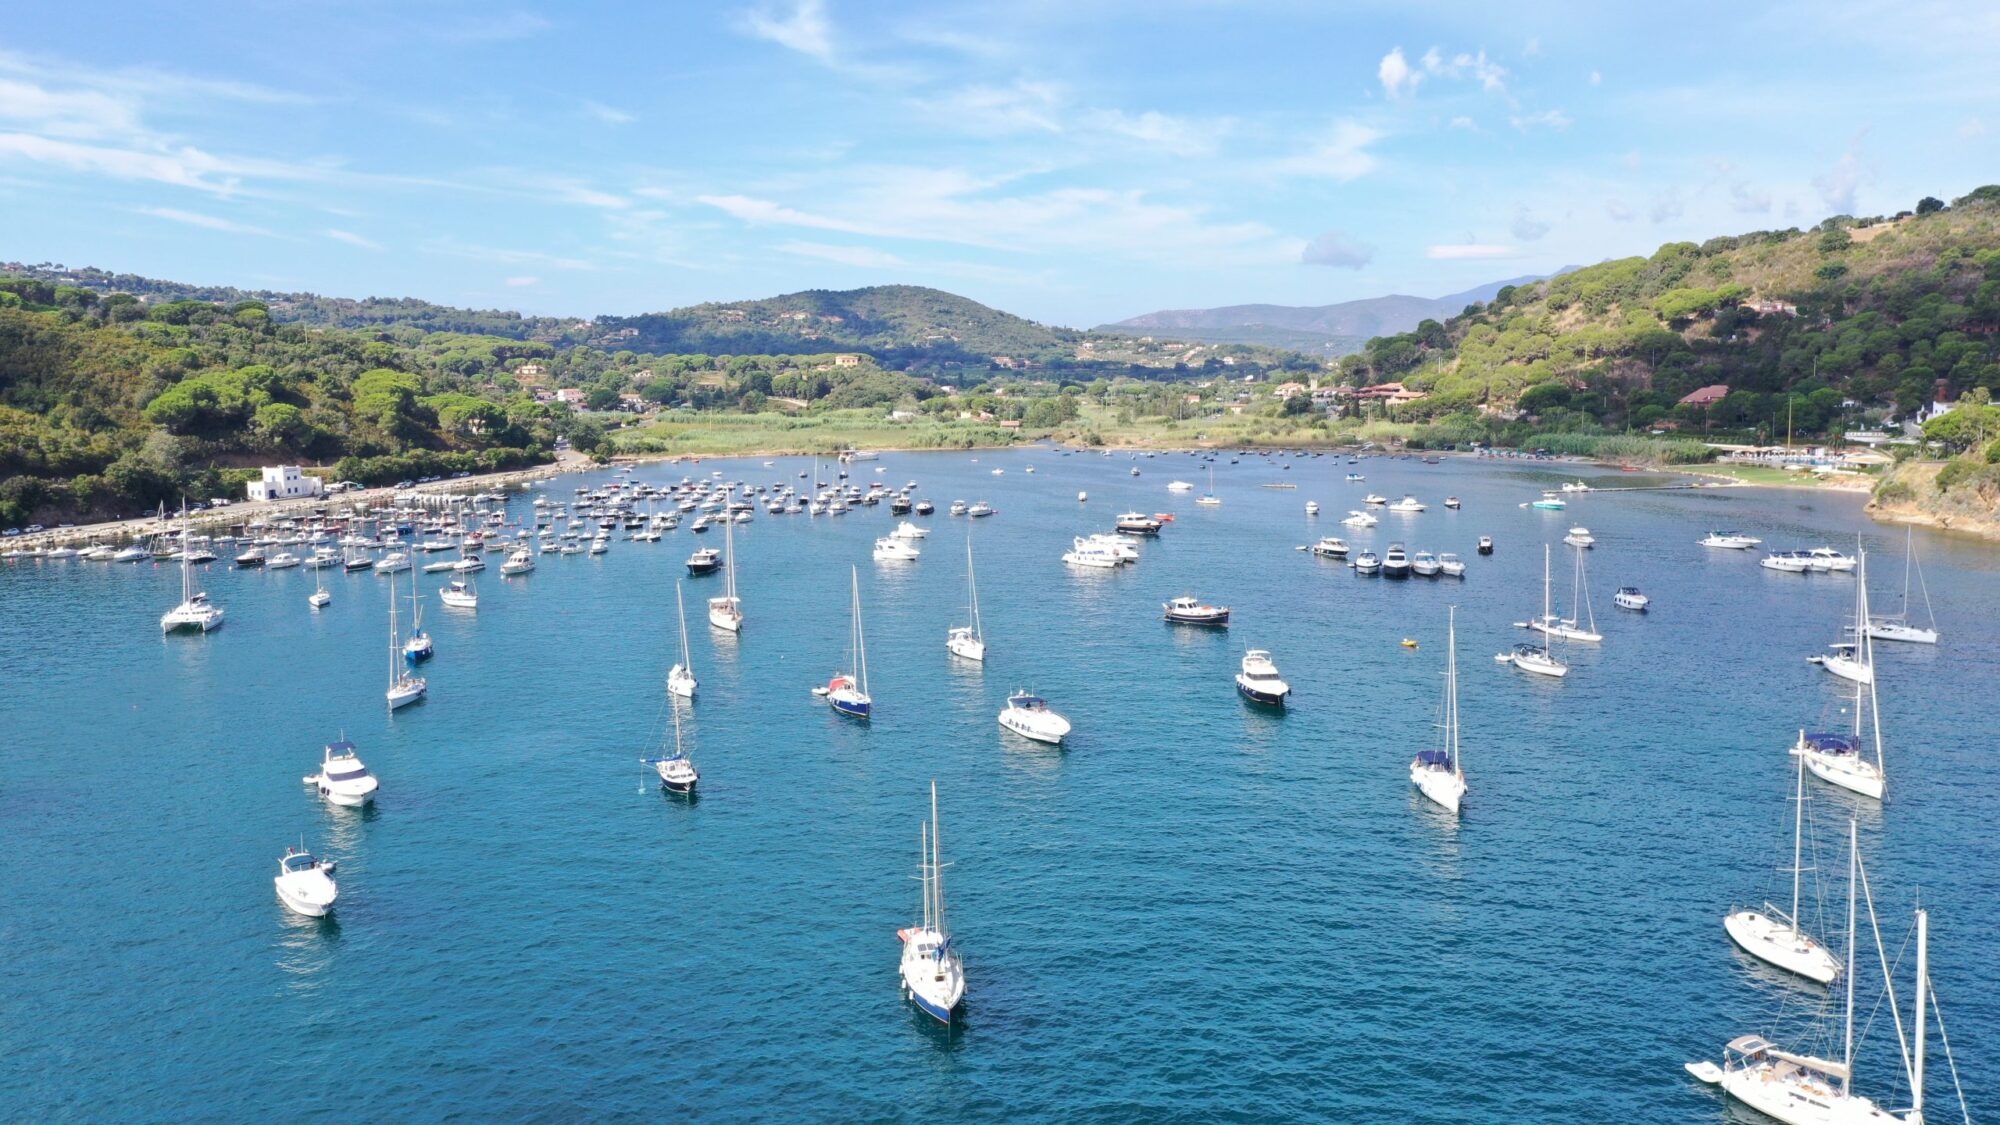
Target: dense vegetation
1879 310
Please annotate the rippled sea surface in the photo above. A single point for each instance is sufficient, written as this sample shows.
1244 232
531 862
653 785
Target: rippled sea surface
1199 910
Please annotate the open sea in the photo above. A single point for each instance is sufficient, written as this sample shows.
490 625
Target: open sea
1200 910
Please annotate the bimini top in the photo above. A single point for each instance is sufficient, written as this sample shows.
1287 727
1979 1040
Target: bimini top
1828 743
341 749
1433 758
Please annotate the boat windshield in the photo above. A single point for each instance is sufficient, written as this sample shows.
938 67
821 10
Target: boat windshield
300 861
354 774
1028 702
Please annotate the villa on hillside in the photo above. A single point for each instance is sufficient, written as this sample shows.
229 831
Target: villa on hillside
1707 396
283 482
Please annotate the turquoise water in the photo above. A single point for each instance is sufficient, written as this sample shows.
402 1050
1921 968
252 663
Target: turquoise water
1201 909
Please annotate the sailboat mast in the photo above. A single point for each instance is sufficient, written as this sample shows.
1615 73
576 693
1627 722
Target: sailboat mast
187 578
392 637
1847 1054
924 870
729 545
680 605
1545 599
1923 985
1865 650
937 869
972 587
1798 832
1451 689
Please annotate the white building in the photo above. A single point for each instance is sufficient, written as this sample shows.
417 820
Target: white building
284 482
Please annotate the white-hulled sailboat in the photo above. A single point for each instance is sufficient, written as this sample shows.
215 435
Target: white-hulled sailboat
1853 660
933 976
1896 626
847 692
1578 626
1774 935
680 678
1209 499
968 641
405 686
1440 774
320 598
726 612
1527 657
1837 758
676 770
195 611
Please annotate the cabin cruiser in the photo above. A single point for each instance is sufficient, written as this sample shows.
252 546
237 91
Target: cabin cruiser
392 563
1180 486
1395 564
1188 611
1356 477
1258 680
1788 562
304 883
1028 715
1452 502
892 549
1486 544
458 595
1550 502
1367 562
908 530
134 553
283 560
925 507
1330 547
1451 566
980 508
1824 559
1730 541
1406 504
252 557
957 508
1580 537
521 561
1424 565
1312 507
1374 500
342 779
1360 519
1629 597
1089 553
705 560
1138 523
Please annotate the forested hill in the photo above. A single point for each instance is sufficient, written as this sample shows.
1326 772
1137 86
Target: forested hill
1872 311
892 322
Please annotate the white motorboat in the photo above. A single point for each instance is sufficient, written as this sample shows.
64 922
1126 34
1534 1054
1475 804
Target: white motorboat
1138 523
598 545
1730 541
1787 562
1527 657
342 779
1187 611
1367 562
892 549
1897 626
1580 537
283 560
1424 564
1440 774
195 611
1774 935
1257 679
680 678
968 641
1549 502
1453 503
443 567
133 553
1312 507
1629 597
1451 566
1028 715
847 692
1330 547
676 770
470 564
392 563
459 594
908 530
1374 500
1360 519
521 561
1180 486
1826 559
1406 504
251 558
1355 477
1582 627
1395 562
405 686
933 975
726 612
304 885
1091 554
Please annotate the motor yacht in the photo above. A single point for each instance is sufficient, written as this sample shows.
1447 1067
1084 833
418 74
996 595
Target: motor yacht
252 557
1407 504
1787 562
1028 715
1451 566
1395 563
1138 523
1258 680
1188 611
1367 562
1312 507
521 561
1629 597
1180 486
980 509
1360 519
1330 547
342 779
705 560
1424 564
908 530
283 560
1580 537
1730 541
1452 502
891 549
1486 544
1088 553
1825 559
1374 501
304 883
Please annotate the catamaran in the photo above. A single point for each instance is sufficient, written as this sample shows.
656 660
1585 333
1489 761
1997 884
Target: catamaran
1440 774
726 612
933 976
195 611
1527 657
1570 628
968 641
680 679
847 692
1774 935
1896 626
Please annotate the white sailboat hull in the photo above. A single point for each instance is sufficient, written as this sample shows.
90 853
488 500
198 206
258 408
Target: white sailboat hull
1539 665
1897 631
1444 787
1566 630
965 646
405 693
1773 941
681 682
934 985
1849 771
723 613
1790 1094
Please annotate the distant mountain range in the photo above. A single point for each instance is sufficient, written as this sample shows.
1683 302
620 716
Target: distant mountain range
1337 329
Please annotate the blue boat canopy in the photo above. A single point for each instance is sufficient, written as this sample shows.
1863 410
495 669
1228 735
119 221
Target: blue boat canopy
1833 743
341 747
1434 757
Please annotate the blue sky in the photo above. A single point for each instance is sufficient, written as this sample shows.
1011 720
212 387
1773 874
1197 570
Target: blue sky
1072 161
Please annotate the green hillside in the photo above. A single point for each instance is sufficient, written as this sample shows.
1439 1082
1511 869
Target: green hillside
1869 311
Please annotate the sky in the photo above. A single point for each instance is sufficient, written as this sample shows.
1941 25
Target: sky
1073 161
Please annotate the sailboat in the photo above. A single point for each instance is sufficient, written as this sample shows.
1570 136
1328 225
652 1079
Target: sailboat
1837 758
1801 1089
847 693
418 647
933 976
1896 626
320 597
680 679
1571 628
726 612
1775 935
1209 499
1527 657
405 687
676 770
195 611
1440 774
1853 660
968 641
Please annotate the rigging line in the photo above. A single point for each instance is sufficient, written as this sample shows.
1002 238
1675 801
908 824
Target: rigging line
1950 1062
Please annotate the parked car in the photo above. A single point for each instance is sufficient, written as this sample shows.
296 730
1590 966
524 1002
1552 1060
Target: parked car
34 527
11 531
406 484
459 474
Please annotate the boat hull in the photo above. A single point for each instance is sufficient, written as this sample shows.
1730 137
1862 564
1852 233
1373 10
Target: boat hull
1890 631
1051 734
1848 771
852 704
1444 787
1260 695
966 648
1773 942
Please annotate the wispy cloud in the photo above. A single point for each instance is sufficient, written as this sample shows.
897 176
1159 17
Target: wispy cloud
607 114
1470 252
185 166
1837 185
503 256
865 257
522 281
1341 154
206 222
1022 106
1337 249
803 27
1397 76
1749 201
1548 118
1526 226
493 27
352 239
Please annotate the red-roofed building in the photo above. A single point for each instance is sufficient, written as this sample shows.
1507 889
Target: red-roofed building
1707 396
